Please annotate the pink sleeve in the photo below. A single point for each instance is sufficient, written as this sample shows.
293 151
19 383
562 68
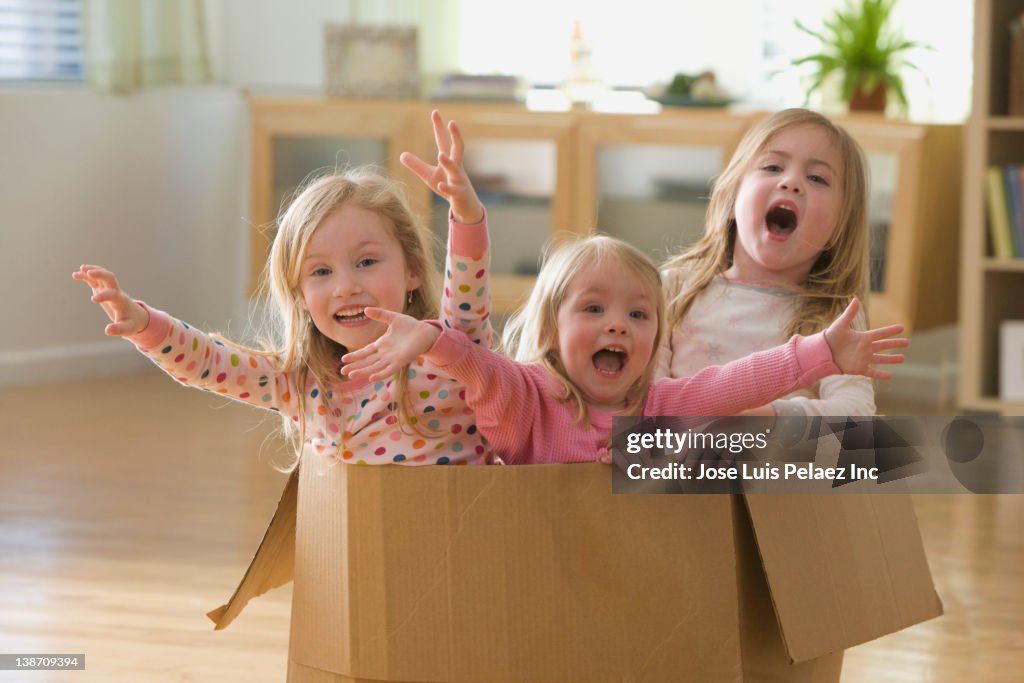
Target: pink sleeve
502 393
745 383
195 359
466 300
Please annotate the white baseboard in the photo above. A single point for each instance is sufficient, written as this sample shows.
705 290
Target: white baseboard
74 361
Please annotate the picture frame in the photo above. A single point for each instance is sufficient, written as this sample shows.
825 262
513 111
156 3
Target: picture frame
372 61
1011 361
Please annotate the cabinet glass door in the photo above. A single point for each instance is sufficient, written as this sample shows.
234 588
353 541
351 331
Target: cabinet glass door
297 158
647 179
655 196
884 175
515 179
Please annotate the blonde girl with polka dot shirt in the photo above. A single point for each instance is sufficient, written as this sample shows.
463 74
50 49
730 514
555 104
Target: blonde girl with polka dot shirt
347 242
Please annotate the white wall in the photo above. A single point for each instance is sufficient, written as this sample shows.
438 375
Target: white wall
150 185
154 184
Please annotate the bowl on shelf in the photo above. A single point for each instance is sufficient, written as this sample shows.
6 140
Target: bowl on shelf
690 101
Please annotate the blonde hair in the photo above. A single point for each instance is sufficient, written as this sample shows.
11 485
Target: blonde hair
841 270
297 346
531 334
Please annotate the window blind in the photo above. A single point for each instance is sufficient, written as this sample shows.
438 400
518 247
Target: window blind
41 40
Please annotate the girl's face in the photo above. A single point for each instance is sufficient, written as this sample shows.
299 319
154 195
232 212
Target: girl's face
607 324
787 207
352 261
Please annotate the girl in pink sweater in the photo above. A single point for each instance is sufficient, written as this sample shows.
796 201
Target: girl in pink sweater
349 241
584 351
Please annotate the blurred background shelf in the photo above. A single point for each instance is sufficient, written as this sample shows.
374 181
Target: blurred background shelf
645 178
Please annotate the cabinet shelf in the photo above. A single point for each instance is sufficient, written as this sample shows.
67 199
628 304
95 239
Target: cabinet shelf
643 178
1008 123
1003 265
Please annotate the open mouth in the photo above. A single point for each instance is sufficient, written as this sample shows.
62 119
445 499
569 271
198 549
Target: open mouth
610 360
780 219
352 315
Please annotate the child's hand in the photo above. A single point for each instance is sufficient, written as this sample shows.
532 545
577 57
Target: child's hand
448 179
126 315
855 352
406 339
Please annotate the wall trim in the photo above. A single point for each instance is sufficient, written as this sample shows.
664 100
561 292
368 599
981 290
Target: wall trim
68 362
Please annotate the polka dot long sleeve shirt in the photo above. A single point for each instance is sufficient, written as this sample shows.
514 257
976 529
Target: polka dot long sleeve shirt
356 419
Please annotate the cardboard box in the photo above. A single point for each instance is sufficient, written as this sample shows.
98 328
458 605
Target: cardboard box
540 573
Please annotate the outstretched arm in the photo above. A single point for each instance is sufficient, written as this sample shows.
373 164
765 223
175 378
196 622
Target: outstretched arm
127 317
767 375
448 178
405 340
856 352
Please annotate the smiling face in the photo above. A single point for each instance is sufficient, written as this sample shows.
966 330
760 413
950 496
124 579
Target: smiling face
353 261
787 207
607 325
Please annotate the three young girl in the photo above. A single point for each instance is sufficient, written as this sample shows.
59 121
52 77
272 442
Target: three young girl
785 249
350 275
347 242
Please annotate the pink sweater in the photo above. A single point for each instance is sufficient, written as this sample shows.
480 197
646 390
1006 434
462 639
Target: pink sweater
519 412
354 419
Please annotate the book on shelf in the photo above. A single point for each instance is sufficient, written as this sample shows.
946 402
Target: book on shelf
999 216
1013 174
494 87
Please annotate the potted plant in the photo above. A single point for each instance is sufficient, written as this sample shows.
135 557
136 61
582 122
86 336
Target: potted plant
860 45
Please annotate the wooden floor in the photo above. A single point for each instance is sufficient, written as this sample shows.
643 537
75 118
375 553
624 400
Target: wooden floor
129 507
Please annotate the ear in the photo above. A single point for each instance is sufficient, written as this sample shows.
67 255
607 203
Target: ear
412 280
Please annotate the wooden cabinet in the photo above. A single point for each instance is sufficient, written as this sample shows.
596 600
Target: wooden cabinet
644 178
992 290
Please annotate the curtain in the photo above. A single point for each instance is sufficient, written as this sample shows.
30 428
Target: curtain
131 44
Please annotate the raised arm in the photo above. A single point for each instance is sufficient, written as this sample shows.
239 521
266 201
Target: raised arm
466 300
448 178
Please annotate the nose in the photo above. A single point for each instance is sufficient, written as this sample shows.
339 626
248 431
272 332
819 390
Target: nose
617 327
346 284
791 182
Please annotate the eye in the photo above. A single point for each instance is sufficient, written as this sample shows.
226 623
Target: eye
320 272
593 308
368 261
821 180
638 315
771 168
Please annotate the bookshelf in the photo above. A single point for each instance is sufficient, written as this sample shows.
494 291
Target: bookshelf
991 288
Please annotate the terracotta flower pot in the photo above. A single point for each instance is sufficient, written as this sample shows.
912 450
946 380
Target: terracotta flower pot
869 100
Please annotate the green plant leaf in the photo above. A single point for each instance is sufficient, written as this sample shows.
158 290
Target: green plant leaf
859 42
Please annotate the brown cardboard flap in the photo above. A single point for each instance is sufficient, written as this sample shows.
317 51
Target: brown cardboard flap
502 574
842 569
274 562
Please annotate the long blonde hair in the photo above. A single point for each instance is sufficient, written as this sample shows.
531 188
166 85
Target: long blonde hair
531 333
841 270
295 343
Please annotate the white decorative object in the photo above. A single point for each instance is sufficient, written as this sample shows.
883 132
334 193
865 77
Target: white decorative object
1011 361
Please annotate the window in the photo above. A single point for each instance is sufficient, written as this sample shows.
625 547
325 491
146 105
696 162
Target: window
41 40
